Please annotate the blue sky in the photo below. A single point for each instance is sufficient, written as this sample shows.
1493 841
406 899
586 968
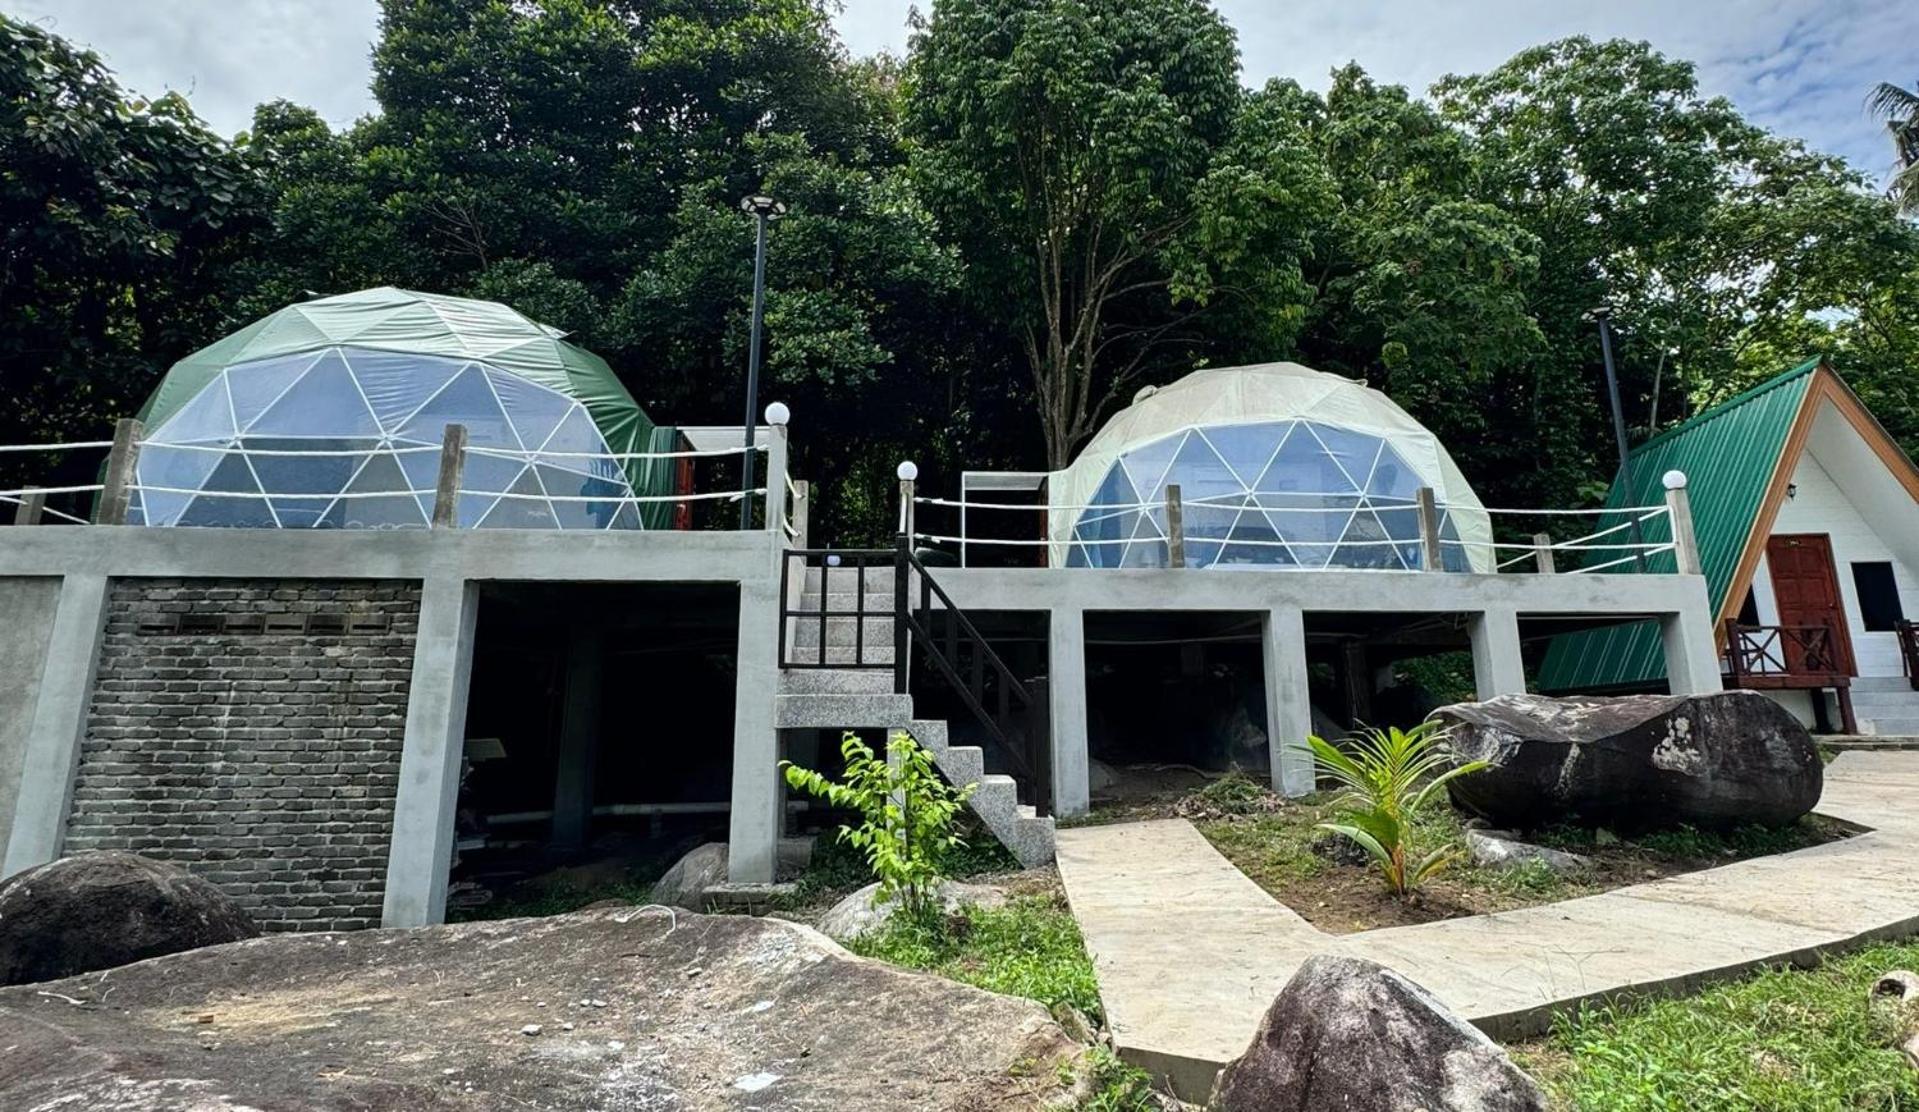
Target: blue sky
1800 67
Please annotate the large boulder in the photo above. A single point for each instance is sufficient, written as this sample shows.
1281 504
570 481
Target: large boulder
1634 762
99 910
1346 1035
703 867
631 1008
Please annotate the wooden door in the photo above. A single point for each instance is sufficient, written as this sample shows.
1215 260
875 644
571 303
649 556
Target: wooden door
1806 589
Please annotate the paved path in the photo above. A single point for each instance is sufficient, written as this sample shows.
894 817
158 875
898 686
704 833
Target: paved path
1190 952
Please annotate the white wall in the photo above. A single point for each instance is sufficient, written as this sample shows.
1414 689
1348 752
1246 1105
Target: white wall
1824 504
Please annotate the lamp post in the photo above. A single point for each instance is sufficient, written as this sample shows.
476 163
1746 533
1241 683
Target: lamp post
1603 315
763 209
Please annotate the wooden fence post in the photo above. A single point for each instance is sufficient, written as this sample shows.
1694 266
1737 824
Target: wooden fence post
1431 559
1175 527
446 492
1543 552
123 463
32 504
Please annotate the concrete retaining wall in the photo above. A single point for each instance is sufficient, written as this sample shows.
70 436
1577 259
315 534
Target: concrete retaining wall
27 606
251 730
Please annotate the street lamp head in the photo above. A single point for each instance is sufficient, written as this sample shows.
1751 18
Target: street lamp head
1600 312
778 415
763 206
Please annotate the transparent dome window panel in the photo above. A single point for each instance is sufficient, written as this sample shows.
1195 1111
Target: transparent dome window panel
385 414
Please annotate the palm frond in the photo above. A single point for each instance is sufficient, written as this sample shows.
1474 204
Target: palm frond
1891 102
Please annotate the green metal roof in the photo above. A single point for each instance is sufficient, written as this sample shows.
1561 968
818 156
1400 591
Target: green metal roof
1729 454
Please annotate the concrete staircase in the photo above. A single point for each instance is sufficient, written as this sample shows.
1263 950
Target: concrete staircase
1886 706
850 698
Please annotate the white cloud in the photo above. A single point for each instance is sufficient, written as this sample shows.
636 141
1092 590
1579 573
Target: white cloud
1800 67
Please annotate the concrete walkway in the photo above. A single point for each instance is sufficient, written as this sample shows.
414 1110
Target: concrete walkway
1190 952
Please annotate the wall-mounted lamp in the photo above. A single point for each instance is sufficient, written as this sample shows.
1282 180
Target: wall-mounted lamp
1792 490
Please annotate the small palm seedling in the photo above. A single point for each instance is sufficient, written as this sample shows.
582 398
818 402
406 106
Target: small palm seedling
1389 776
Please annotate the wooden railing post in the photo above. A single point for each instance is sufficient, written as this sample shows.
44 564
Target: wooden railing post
1543 552
446 492
1685 544
1175 527
32 504
123 463
1431 559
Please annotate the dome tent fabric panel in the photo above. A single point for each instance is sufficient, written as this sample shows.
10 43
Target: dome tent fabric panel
1338 463
406 349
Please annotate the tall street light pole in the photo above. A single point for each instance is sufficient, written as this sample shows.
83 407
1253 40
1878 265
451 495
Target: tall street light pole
1603 314
763 209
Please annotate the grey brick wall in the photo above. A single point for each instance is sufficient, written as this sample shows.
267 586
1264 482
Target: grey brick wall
250 730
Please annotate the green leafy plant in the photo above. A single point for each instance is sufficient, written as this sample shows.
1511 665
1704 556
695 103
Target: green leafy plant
907 814
1389 776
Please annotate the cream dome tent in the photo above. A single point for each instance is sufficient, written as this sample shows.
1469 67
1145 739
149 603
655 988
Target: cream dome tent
1279 466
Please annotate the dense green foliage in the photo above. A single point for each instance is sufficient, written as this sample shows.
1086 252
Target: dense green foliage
991 244
1781 1039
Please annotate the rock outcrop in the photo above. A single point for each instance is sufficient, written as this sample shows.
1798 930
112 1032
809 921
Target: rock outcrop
634 1008
1634 762
1348 1035
100 910
857 914
703 867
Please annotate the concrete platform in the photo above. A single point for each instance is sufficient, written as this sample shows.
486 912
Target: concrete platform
1190 952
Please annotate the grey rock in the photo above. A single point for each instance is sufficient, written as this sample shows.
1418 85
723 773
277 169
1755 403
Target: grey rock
1635 762
1337 848
703 867
100 910
1101 780
1499 849
1348 1035
858 914
777 1005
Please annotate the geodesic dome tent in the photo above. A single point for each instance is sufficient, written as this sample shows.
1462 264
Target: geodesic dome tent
1279 466
331 413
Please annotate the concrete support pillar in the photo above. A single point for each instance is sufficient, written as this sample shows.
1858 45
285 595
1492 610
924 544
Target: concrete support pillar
1692 657
422 849
1066 691
1498 667
753 829
579 739
59 722
1289 701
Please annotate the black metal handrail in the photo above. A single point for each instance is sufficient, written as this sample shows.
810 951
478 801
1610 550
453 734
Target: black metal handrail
1909 650
914 625
831 559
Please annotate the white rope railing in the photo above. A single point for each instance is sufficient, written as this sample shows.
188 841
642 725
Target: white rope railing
293 453
24 491
70 446
727 495
1616 563
277 495
540 453
48 510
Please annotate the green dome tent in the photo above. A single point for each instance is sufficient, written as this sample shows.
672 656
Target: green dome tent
330 414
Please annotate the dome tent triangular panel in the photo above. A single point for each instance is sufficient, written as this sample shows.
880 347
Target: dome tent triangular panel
381 372
1326 466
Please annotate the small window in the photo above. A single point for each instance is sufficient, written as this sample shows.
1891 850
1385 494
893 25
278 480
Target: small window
1879 607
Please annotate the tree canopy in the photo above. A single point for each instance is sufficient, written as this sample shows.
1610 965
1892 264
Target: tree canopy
991 243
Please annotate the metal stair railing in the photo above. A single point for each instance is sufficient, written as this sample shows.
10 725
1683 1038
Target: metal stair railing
914 626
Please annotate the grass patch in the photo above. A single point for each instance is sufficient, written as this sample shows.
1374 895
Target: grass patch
1783 1039
1271 840
1031 948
